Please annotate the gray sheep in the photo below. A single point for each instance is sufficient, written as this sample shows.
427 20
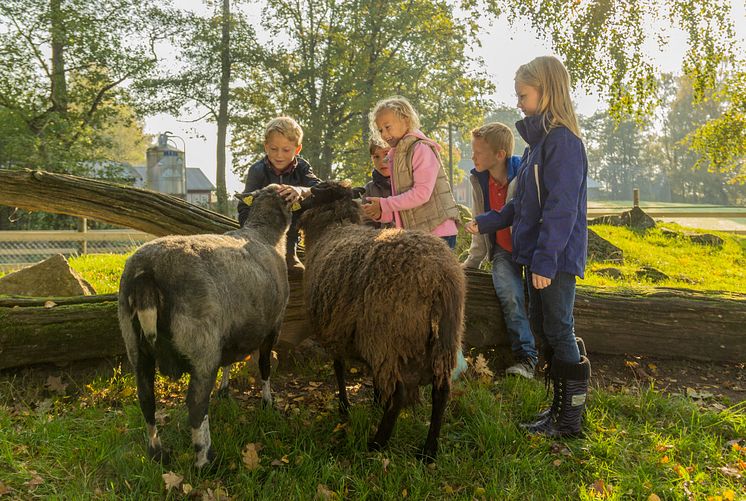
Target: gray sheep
391 298
194 303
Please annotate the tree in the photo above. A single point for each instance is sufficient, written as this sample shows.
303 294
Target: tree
201 82
59 104
327 62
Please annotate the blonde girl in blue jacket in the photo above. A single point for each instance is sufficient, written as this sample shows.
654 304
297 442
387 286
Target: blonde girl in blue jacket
548 215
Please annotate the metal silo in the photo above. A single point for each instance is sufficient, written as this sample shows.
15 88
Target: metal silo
166 170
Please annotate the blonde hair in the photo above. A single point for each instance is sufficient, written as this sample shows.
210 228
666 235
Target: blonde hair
285 126
550 77
401 107
498 137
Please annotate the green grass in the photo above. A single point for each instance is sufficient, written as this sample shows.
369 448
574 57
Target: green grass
102 271
690 266
92 445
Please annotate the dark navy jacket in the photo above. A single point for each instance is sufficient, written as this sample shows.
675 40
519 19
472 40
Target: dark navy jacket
483 178
262 174
550 232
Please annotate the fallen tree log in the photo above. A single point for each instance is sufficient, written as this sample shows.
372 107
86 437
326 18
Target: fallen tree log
149 211
666 323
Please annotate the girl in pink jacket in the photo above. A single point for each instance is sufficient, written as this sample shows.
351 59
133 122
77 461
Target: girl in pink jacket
421 196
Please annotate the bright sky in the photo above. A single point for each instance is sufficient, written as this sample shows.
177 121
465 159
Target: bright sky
515 47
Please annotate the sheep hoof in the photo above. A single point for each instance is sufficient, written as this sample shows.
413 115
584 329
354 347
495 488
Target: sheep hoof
427 456
374 446
159 455
206 463
268 404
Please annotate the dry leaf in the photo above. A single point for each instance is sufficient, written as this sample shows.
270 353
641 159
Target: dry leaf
250 456
557 462
479 491
600 489
186 488
729 471
35 481
277 462
55 384
4 489
324 494
49 304
386 463
172 480
729 495
665 459
663 447
339 427
481 369
654 497
404 493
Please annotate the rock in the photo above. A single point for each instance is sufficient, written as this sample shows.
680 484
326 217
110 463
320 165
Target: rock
601 250
637 218
705 239
51 277
670 233
651 274
614 273
634 218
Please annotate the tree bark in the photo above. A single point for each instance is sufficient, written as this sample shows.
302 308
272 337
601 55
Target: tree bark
225 78
59 77
155 213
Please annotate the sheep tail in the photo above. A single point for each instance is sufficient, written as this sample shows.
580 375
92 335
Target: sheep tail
145 299
446 328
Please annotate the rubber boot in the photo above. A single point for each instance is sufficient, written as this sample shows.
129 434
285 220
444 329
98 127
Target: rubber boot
548 355
570 385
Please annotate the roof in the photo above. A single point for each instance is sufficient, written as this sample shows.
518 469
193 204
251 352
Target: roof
197 181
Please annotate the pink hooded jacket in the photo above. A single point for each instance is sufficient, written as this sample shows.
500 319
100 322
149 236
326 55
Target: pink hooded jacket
425 167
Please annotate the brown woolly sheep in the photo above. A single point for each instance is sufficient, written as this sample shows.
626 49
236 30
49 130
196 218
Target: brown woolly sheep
391 298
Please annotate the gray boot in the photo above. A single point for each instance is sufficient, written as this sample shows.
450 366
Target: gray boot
548 355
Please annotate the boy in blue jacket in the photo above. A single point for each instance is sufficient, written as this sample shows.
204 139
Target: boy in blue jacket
494 168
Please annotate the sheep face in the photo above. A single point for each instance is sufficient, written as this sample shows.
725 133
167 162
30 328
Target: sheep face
268 206
330 202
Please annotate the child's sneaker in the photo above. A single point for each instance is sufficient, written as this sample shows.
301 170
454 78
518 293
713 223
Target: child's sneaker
524 368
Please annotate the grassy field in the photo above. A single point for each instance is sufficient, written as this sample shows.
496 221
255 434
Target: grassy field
84 440
689 265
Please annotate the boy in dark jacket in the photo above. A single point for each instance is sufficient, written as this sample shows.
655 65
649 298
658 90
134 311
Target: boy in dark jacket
494 168
283 141
380 185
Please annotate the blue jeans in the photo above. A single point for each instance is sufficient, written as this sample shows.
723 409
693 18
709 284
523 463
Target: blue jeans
450 240
550 313
508 281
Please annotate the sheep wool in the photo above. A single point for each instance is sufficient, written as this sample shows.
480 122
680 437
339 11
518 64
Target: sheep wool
391 298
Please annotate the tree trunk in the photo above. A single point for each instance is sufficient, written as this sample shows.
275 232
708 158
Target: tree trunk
59 81
225 78
155 213
667 323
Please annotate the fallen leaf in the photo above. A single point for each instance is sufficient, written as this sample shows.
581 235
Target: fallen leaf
729 471
663 447
729 495
353 370
479 491
448 489
172 480
600 489
35 481
49 304
339 427
557 462
55 384
385 462
665 459
654 497
404 493
186 488
324 493
4 489
277 462
250 456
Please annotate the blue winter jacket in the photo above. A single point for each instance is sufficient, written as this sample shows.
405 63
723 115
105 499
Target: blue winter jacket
548 211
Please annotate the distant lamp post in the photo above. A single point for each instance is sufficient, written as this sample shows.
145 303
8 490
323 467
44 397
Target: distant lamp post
451 127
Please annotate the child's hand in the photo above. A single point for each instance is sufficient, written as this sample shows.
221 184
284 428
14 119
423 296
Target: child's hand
472 227
291 194
540 282
372 209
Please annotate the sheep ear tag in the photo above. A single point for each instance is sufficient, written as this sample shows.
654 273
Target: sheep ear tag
248 200
295 206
